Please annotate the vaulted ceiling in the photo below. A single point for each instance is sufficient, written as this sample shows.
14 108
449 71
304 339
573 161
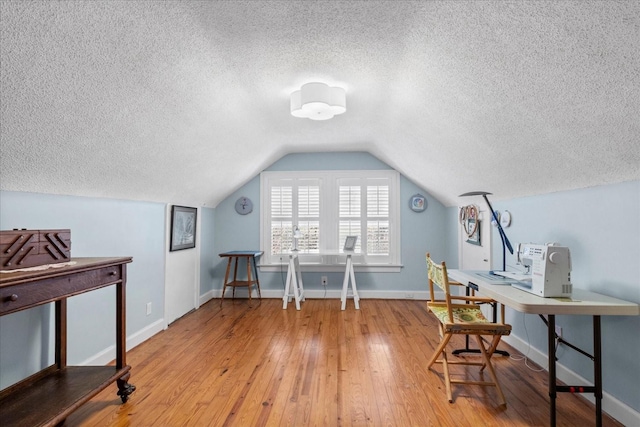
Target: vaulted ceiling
184 102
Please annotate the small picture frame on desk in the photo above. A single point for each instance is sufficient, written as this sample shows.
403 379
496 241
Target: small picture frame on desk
350 243
183 228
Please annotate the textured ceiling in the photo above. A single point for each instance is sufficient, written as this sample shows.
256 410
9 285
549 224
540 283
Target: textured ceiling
184 102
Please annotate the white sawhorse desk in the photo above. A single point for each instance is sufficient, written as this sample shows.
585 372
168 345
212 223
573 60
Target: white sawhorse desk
581 303
294 287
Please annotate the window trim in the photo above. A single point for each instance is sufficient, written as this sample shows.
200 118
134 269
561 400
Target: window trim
329 203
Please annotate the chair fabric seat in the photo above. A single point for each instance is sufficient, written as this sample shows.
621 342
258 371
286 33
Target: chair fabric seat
468 320
460 314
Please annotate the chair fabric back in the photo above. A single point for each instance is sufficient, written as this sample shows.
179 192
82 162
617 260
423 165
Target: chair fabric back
437 274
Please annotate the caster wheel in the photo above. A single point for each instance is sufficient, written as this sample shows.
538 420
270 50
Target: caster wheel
125 391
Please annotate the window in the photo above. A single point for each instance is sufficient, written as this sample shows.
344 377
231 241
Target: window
326 207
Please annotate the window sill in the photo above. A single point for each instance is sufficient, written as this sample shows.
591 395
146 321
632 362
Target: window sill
334 268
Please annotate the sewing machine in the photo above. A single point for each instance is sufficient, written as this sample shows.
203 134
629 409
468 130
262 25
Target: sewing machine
550 266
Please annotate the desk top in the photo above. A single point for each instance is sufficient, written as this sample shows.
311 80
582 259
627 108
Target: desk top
323 253
13 277
581 301
254 254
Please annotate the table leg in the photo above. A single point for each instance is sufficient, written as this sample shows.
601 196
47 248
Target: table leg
294 280
287 288
226 279
345 285
354 287
349 274
554 388
121 326
235 276
597 366
299 279
249 279
255 272
61 333
124 388
551 337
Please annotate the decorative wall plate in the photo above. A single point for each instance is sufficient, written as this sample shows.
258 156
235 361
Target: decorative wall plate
505 219
418 203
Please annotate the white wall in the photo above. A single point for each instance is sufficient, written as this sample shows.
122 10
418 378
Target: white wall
208 255
182 275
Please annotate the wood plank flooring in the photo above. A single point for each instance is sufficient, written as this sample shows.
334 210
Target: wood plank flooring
238 365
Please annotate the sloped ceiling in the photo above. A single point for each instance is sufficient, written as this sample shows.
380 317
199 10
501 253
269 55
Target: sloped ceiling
184 102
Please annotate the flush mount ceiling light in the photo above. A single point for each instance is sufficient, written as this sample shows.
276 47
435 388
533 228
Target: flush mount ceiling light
318 101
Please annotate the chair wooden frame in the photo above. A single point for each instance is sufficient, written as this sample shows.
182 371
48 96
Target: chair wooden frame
461 315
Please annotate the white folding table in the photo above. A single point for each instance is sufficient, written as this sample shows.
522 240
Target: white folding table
581 303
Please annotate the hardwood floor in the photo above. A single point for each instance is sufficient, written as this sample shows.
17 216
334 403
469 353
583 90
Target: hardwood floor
265 366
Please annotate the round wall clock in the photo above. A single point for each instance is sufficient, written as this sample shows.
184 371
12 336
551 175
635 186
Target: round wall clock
244 205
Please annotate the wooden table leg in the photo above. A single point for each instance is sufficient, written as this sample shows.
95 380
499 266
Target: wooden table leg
61 333
124 388
235 275
226 279
249 279
255 269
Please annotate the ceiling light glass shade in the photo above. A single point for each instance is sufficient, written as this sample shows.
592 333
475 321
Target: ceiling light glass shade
318 101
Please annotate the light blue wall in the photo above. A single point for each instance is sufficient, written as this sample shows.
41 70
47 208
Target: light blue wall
233 232
420 231
601 226
99 227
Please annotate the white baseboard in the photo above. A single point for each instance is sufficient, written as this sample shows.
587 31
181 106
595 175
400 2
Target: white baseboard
209 295
612 406
145 333
320 294
109 354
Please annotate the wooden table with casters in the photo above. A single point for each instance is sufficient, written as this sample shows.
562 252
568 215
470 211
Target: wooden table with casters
47 397
252 271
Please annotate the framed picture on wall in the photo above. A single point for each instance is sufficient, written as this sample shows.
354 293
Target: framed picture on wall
474 237
183 228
